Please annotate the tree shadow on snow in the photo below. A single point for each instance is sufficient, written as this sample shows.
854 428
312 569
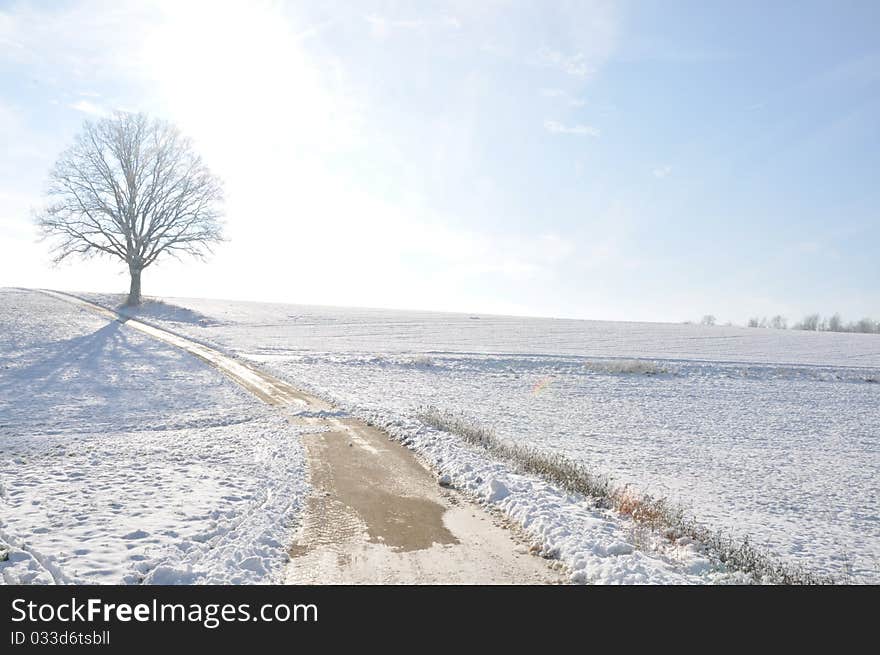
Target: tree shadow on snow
94 380
163 311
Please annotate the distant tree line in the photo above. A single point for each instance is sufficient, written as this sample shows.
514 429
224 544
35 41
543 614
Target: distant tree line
817 323
812 322
778 322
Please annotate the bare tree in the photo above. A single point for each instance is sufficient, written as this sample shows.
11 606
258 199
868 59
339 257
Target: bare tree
835 324
867 326
810 322
132 188
708 319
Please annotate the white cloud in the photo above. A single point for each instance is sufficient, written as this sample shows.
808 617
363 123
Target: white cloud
382 27
662 171
581 130
87 107
564 96
577 38
496 50
575 64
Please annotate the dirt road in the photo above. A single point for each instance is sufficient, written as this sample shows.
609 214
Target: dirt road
376 514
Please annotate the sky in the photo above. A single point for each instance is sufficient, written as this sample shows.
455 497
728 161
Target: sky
649 160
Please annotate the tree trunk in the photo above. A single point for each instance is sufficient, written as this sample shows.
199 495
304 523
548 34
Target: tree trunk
134 293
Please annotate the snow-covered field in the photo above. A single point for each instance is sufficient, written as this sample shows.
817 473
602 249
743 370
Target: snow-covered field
763 433
125 460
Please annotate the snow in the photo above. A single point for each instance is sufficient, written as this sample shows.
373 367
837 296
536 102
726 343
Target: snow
267 328
125 460
762 433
